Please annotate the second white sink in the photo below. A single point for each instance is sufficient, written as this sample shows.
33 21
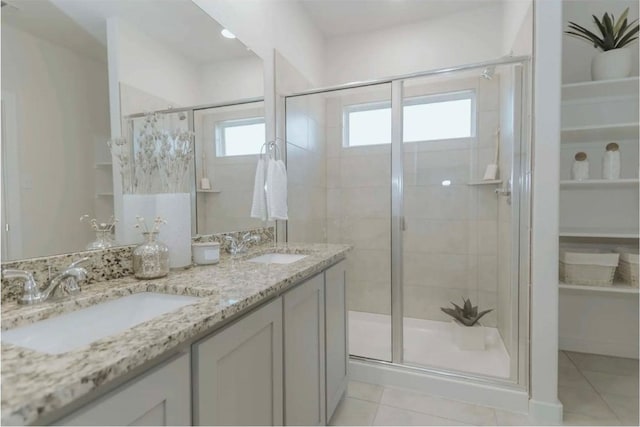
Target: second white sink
73 330
275 258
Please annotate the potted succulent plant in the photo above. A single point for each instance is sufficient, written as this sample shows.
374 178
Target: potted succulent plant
614 60
468 334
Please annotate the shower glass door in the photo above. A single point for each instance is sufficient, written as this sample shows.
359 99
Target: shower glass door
457 239
339 165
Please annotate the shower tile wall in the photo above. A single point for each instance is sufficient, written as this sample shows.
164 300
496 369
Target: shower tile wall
359 206
450 244
306 162
233 176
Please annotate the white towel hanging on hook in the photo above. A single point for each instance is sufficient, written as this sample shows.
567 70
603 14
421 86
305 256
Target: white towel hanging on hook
270 185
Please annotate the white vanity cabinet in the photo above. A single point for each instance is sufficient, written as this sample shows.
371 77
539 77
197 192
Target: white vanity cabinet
304 353
160 397
237 372
337 348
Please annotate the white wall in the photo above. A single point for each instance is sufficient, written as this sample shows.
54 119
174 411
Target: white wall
517 16
577 54
150 66
62 113
460 38
264 25
231 80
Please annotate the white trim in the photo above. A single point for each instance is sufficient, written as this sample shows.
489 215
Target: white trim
545 413
495 396
545 211
11 171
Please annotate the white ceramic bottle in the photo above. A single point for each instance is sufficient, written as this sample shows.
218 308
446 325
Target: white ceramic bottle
611 162
580 168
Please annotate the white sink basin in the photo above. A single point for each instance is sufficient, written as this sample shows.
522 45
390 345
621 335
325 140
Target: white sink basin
277 258
76 329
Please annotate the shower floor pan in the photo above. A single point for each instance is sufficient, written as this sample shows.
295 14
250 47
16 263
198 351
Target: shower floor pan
426 343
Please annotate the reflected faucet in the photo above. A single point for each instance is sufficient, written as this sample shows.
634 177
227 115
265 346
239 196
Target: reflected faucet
240 246
69 278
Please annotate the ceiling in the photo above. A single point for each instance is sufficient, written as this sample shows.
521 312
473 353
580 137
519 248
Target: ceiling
178 24
341 17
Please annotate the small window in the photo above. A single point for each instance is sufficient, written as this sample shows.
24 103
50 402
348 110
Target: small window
425 118
240 137
367 124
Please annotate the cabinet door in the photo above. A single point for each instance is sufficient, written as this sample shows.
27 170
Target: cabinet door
238 371
336 335
304 353
160 397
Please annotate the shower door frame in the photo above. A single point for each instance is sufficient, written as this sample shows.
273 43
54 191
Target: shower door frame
520 228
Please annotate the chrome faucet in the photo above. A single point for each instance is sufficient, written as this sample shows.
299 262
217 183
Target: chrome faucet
69 278
240 246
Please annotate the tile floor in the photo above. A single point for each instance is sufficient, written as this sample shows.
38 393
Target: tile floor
595 390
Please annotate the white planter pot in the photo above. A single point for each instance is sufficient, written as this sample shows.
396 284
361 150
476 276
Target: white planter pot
468 337
612 64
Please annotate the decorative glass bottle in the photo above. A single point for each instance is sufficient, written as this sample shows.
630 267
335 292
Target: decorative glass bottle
104 240
151 258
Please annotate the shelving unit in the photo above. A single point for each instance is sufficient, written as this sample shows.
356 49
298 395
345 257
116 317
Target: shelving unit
600 183
617 288
605 233
599 133
599 214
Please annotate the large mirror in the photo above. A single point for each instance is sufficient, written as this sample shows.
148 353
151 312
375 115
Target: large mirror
77 73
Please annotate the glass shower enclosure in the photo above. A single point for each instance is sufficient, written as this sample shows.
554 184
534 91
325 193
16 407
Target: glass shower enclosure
426 176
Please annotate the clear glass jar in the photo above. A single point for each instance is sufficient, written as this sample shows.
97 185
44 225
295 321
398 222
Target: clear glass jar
104 240
151 258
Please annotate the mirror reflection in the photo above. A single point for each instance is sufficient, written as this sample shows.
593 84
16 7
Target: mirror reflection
78 74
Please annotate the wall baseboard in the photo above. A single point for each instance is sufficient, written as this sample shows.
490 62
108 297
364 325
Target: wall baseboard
617 348
545 413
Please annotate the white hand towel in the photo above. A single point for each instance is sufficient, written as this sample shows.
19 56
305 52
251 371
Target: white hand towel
277 190
259 205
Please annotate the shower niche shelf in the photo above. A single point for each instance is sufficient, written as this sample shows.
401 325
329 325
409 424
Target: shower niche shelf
208 191
600 133
605 233
487 182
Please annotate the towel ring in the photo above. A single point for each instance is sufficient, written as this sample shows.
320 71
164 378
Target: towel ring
270 148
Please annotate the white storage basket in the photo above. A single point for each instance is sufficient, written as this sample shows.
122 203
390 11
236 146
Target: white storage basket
628 267
589 269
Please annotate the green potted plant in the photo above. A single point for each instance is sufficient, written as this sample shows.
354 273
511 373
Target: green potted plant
468 334
614 59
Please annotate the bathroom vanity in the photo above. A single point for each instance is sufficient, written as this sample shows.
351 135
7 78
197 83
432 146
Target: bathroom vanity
265 343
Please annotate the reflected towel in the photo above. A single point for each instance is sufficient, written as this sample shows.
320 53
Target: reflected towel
277 190
259 205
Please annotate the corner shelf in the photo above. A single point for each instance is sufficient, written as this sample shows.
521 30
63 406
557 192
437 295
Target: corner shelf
600 133
617 288
487 182
602 88
609 233
600 183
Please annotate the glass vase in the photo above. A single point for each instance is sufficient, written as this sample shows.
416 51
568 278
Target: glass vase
151 258
104 240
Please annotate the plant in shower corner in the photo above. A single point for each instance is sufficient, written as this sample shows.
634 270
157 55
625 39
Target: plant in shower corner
468 314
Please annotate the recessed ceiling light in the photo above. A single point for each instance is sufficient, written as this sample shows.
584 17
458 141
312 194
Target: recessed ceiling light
228 34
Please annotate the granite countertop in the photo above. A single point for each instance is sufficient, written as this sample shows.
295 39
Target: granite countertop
34 383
